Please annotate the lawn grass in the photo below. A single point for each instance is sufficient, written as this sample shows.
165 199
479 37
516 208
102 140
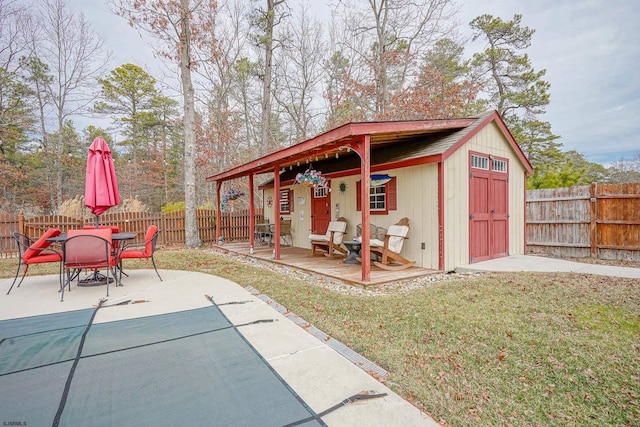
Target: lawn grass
518 349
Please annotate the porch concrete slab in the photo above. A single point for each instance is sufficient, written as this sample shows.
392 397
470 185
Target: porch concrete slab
547 264
318 374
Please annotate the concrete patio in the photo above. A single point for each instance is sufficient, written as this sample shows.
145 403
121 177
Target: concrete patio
320 375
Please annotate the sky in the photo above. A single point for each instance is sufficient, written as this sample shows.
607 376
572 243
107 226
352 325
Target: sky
590 50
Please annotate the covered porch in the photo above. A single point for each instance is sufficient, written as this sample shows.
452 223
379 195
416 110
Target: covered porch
330 267
355 149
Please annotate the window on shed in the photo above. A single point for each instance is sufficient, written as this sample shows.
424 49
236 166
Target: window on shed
286 201
382 199
499 165
319 192
480 162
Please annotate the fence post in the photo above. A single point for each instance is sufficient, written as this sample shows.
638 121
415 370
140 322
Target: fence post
21 222
593 227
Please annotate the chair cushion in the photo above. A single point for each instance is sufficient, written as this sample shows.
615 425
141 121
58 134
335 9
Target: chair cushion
105 233
114 228
75 252
48 257
376 242
41 243
319 237
396 233
133 253
148 238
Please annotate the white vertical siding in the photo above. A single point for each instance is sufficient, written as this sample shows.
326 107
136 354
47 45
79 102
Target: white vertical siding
300 217
417 197
456 209
489 140
417 192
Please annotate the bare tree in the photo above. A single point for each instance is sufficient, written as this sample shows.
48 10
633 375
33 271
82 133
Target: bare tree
267 23
13 17
299 73
396 32
222 116
74 57
181 27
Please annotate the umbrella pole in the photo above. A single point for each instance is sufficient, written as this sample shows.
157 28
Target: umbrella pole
97 222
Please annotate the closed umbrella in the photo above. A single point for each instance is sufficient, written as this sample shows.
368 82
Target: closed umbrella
100 190
101 186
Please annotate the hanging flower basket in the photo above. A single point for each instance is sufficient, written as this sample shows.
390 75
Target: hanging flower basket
232 194
229 195
311 178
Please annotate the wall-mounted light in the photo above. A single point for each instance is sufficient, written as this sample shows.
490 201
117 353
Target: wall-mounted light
326 156
337 155
298 164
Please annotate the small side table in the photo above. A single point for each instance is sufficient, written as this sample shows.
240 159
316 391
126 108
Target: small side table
353 246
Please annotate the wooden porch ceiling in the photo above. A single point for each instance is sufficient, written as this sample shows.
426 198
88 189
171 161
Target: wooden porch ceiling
332 268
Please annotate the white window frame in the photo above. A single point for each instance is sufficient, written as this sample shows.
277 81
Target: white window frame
378 198
283 200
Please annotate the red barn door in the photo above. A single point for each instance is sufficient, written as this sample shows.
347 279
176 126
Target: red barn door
488 207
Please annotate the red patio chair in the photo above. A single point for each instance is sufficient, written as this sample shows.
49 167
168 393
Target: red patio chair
114 229
142 250
90 249
34 252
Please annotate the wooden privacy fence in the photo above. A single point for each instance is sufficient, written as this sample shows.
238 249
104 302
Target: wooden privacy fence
597 220
234 226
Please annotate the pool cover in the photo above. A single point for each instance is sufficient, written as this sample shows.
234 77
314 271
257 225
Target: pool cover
185 368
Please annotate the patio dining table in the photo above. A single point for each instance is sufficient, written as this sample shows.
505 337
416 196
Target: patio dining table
263 232
115 236
97 278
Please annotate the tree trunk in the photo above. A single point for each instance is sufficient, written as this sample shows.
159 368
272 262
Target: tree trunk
192 235
265 124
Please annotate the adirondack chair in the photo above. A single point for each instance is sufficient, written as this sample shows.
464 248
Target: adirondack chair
329 243
389 249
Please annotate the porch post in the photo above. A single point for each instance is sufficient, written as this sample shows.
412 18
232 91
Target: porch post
276 211
363 149
252 214
441 217
218 216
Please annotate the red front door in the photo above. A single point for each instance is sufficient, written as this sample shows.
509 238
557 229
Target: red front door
488 208
320 209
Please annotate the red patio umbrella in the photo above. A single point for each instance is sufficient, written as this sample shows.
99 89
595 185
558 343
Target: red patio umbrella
101 185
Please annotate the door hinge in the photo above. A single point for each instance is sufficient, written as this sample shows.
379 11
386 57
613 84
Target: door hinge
470 216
